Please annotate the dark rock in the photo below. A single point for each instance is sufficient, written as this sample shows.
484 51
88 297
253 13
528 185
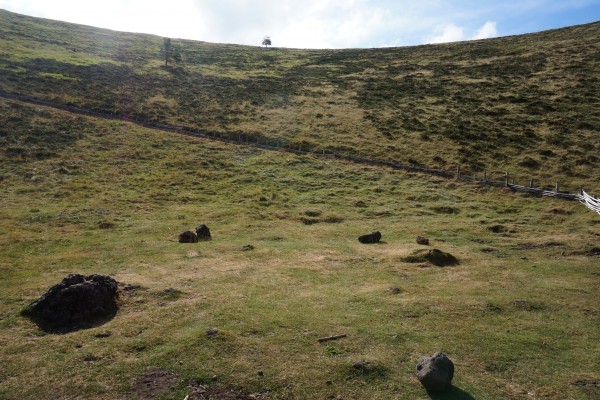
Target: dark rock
422 240
394 290
106 225
188 237
497 228
362 365
370 238
247 247
75 303
203 232
212 332
435 373
434 256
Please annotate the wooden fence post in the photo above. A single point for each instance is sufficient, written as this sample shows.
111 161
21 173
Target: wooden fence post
485 176
457 171
506 179
531 183
556 188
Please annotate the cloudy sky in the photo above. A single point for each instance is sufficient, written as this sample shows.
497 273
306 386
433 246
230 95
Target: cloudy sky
318 23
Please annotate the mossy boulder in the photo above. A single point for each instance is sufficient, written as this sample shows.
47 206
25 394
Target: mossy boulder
433 256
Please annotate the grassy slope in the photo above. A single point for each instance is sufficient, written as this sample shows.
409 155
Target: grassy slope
519 315
527 104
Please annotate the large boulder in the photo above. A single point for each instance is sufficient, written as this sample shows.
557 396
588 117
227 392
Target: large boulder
188 237
203 232
370 238
76 302
435 373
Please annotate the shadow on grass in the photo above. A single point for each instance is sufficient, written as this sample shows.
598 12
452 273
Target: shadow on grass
64 328
453 393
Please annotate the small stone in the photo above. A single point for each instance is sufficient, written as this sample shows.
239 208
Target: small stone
212 332
422 241
435 373
394 289
260 373
105 225
362 365
374 237
202 232
247 247
188 237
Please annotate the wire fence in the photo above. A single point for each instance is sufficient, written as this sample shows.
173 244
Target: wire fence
245 138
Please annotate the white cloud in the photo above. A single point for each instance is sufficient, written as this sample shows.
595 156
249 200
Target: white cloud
488 30
454 33
130 15
308 23
447 33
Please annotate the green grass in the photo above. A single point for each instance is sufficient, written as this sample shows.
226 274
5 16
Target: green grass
518 315
523 104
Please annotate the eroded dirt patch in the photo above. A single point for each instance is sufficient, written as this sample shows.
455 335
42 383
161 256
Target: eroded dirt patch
154 383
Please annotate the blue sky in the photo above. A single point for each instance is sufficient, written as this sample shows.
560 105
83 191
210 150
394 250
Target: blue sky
319 23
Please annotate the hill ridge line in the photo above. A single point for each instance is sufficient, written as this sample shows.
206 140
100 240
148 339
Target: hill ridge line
587 200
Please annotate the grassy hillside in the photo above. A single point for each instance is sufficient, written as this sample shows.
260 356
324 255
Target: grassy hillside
524 297
527 104
518 315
